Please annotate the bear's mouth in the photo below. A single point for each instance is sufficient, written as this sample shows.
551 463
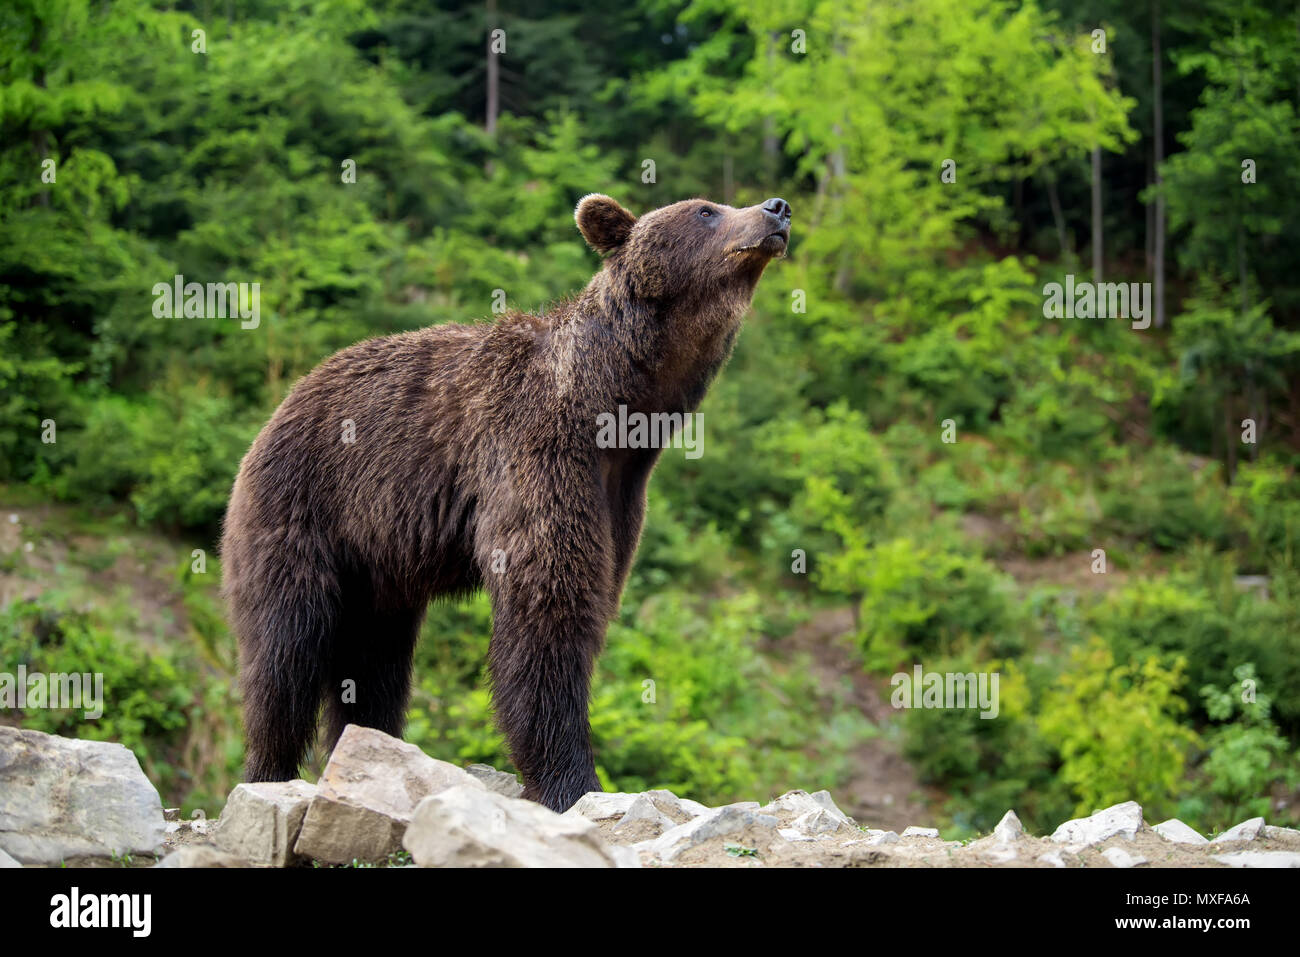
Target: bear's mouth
780 239
773 244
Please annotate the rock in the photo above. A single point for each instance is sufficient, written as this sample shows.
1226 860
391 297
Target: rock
199 855
719 822
7 861
171 814
1009 829
1178 832
796 804
471 827
791 834
1122 819
1053 858
500 781
920 832
1119 857
680 810
643 820
602 805
1281 833
819 822
1259 859
368 794
63 799
881 837
261 822
1245 831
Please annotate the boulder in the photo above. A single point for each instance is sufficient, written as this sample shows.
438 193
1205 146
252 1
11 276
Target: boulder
602 805
796 804
473 827
62 800
611 805
914 831
200 855
1178 832
368 794
726 821
261 822
1122 819
1009 829
643 820
499 781
1245 831
1289 834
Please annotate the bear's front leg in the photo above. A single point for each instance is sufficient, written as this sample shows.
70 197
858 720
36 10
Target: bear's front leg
549 581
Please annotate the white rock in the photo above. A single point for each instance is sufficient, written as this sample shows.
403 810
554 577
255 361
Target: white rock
796 804
200 855
261 821
920 831
1009 829
1245 831
1053 858
818 822
1281 833
720 822
62 799
1178 832
1122 819
643 811
368 794
791 834
1260 859
1119 857
500 781
473 827
602 805
881 837
680 810
7 861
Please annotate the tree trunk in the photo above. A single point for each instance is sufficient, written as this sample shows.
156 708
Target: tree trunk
493 73
1098 244
1158 134
1058 217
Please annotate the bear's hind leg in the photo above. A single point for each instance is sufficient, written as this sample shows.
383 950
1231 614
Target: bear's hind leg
370 671
281 683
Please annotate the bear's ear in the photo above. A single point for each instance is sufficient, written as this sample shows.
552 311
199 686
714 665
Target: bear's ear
604 224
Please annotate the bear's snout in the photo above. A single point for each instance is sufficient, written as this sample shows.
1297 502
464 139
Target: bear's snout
779 209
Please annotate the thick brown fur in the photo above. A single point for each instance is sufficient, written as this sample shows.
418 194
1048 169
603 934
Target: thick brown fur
475 464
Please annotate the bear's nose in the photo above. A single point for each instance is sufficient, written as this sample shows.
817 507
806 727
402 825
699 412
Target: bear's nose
778 208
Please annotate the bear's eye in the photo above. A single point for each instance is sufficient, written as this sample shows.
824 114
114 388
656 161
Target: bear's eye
705 212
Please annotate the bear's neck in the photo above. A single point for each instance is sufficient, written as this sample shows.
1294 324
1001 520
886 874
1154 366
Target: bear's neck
652 356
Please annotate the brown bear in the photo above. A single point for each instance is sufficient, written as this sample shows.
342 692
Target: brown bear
458 457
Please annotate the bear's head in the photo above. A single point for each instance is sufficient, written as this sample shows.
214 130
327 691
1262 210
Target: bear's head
690 251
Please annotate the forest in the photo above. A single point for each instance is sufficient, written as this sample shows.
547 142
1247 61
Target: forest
1022 399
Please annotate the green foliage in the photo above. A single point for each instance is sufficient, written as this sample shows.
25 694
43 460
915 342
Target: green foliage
1116 726
1246 758
911 306
146 702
